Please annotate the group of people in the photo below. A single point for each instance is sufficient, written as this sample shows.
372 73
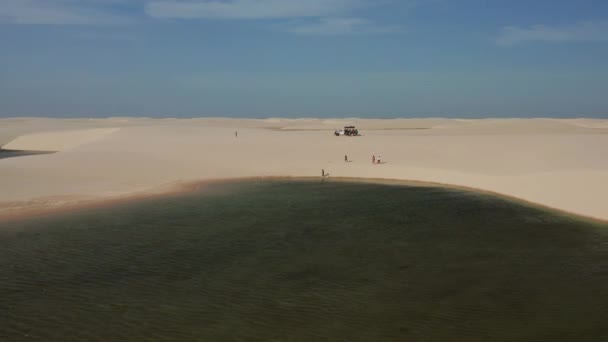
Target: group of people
375 160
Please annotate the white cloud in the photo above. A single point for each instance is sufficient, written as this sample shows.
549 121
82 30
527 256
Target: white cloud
59 12
340 26
312 17
590 31
248 9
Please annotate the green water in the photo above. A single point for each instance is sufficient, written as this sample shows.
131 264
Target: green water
306 261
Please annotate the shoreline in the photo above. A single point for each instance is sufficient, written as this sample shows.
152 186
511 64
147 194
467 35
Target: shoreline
177 189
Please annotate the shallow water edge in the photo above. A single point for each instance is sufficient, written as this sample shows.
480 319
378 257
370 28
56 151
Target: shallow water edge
21 210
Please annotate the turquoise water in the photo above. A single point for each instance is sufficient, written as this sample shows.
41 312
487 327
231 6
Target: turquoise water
306 261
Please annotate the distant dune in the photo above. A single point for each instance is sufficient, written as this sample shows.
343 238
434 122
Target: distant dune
557 163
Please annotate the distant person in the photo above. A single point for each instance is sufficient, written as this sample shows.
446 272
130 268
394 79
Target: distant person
345 158
373 159
379 157
322 172
236 134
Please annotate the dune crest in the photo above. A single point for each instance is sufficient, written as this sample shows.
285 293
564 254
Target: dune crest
57 141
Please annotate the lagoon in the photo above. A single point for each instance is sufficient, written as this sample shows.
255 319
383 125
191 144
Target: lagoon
304 260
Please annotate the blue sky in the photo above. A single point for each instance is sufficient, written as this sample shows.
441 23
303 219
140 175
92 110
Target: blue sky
304 58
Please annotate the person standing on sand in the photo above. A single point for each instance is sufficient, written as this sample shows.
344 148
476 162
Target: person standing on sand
379 159
322 172
345 158
236 134
373 159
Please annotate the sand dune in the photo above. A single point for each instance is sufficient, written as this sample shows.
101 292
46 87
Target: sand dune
557 163
58 140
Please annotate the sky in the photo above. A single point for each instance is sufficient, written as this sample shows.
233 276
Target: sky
304 58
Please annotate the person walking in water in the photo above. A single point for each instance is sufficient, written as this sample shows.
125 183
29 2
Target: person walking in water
373 159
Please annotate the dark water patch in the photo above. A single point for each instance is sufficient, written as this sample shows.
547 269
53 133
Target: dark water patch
306 261
19 153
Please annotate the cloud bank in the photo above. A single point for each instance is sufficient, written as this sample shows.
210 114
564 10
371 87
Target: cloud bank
304 17
59 12
340 26
315 17
249 9
589 31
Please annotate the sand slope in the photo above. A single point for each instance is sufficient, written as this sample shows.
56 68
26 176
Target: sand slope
58 140
559 163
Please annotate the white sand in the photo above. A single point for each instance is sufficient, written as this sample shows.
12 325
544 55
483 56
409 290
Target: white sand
562 164
58 140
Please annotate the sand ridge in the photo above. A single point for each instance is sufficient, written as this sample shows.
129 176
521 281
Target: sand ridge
557 163
57 140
